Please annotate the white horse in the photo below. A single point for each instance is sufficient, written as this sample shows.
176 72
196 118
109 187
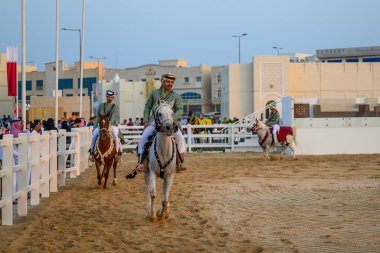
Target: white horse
162 160
266 141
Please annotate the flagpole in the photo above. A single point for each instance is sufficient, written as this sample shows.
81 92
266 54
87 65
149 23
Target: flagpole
81 58
56 62
17 83
23 88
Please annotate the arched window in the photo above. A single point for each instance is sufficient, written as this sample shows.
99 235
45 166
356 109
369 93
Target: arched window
191 95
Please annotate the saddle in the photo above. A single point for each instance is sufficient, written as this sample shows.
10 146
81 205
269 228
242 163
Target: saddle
282 133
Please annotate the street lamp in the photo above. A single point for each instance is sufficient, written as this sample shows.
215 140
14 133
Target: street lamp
278 49
80 39
239 36
98 59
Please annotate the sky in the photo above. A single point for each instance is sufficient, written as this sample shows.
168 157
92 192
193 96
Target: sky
130 33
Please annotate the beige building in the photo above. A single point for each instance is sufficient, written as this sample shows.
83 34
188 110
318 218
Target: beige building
130 97
197 85
247 88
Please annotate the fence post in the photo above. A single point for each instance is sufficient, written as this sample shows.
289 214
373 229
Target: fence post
232 137
34 142
22 175
74 160
44 164
189 136
53 161
61 157
7 181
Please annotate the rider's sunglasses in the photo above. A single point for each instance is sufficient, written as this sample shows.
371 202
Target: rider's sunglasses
169 81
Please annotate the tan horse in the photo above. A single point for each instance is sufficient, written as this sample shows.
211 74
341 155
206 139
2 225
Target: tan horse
286 138
105 152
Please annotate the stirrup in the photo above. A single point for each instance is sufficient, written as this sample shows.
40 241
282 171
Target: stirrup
181 167
91 157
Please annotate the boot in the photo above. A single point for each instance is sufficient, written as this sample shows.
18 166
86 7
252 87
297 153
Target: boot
180 160
118 156
143 166
91 156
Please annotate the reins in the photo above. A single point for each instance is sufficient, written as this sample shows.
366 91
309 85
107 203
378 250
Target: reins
163 167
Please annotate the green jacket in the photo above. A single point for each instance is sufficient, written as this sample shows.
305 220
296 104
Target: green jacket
161 94
105 108
274 118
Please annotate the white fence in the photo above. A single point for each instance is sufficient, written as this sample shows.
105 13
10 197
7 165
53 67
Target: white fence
34 165
225 137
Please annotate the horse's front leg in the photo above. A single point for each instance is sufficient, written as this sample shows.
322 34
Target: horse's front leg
283 147
293 151
167 185
266 151
97 164
147 183
107 168
153 216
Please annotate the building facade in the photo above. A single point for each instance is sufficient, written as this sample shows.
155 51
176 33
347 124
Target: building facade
269 78
196 85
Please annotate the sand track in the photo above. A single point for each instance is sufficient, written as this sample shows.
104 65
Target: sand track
225 202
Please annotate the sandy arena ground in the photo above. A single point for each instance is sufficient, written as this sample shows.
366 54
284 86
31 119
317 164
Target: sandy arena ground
225 202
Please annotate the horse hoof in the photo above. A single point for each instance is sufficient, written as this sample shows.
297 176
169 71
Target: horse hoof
153 218
114 182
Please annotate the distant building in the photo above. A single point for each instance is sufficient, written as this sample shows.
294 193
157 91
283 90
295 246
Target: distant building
246 88
353 54
198 85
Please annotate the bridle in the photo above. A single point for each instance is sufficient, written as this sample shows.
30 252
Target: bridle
157 120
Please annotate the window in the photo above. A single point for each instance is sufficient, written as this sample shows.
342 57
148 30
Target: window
372 59
334 60
69 95
198 79
65 83
28 85
218 79
40 85
87 83
191 95
186 79
352 60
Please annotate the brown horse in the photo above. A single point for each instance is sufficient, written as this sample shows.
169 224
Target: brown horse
105 152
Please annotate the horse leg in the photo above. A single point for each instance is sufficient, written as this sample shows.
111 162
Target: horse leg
153 216
147 183
114 182
266 151
97 164
283 147
292 148
107 168
164 212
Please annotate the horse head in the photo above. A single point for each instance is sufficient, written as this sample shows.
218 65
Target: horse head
104 125
259 124
164 117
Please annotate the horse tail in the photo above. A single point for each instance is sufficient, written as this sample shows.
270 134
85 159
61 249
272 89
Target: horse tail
294 128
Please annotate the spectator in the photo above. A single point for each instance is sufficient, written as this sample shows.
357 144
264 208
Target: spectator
16 127
137 121
28 128
5 129
141 122
76 124
130 122
91 122
49 125
65 125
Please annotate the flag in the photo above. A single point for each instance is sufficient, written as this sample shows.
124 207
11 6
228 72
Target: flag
12 71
